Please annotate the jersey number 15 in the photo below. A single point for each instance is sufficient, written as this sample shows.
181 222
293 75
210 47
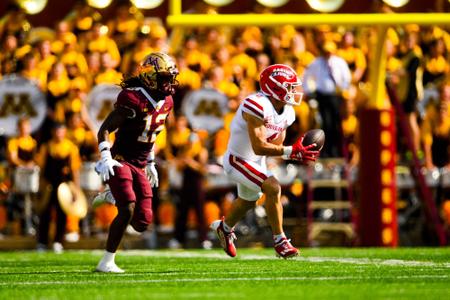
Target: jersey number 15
149 122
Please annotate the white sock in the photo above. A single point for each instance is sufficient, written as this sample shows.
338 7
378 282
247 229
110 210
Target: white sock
226 227
108 257
278 237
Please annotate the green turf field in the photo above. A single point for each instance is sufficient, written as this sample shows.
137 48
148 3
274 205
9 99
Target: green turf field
256 274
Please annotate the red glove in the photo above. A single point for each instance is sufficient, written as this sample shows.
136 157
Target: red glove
300 152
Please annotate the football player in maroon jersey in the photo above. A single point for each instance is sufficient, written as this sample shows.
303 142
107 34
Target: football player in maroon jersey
138 116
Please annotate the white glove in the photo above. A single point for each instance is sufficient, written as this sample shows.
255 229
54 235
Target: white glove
106 164
152 174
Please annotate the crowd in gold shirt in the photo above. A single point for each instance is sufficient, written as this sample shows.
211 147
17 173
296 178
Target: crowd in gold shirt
86 49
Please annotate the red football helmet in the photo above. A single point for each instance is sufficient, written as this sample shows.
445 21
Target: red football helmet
282 83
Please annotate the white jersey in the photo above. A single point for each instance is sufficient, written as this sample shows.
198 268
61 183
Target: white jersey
259 106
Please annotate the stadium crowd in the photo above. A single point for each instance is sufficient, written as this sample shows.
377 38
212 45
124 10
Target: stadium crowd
85 49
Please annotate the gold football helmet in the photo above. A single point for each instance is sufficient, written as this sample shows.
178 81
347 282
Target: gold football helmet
158 72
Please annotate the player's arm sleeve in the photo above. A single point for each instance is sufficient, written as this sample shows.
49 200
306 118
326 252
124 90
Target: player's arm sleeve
253 108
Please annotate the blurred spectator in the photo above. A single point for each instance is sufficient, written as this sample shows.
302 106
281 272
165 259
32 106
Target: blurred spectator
262 61
100 42
72 56
223 135
14 22
216 79
222 59
393 64
302 57
410 86
74 103
350 125
21 154
77 80
252 37
9 48
353 56
177 137
158 38
327 77
216 39
58 84
196 59
82 17
81 136
125 24
59 160
136 54
436 131
187 78
28 69
46 58
108 73
21 149
64 36
192 163
436 64
240 58
94 65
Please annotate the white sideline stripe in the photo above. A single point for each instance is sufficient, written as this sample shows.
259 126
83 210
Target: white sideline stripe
303 278
344 260
313 259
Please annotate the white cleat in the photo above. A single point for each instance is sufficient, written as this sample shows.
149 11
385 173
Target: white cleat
58 248
102 198
110 267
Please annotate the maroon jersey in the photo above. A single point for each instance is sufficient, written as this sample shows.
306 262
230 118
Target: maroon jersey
135 137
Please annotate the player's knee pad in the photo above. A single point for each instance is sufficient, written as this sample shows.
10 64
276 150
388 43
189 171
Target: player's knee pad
141 219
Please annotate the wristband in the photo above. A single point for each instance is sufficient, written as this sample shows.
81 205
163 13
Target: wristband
151 156
287 151
105 145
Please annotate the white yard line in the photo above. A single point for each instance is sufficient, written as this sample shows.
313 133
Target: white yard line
171 280
344 260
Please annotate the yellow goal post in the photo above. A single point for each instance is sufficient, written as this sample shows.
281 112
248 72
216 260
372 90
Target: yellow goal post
377 74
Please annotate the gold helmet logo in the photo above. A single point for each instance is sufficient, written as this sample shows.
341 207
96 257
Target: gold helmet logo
158 72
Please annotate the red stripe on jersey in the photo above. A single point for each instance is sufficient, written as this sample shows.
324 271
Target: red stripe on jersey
258 113
243 171
255 103
251 169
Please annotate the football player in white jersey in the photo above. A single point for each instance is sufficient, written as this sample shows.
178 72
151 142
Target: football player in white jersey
258 130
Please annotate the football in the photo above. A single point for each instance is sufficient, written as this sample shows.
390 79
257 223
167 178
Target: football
316 136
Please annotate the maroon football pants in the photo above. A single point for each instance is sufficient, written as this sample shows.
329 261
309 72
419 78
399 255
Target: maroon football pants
130 184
